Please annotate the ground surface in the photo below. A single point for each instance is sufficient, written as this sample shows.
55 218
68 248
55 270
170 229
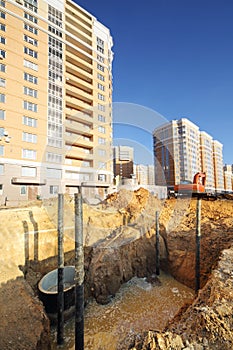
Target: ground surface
29 234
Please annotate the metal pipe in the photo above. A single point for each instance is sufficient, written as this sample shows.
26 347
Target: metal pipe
79 274
198 244
60 275
157 243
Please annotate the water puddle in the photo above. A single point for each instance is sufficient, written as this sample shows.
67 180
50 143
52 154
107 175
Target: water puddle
138 306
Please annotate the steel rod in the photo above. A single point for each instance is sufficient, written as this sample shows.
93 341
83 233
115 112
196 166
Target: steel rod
60 275
79 274
157 244
198 244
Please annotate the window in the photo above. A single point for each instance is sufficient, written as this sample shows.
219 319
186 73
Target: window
30 92
101 97
100 58
2 15
29 137
1 169
30 40
53 157
30 28
100 42
28 171
30 17
30 78
100 86
102 165
23 190
3 53
100 49
30 121
101 129
101 141
2 68
100 67
28 154
101 118
101 107
30 65
102 152
1 150
31 5
2 114
30 52
2 40
2 98
2 82
54 173
86 163
100 76
102 177
53 189
30 106
2 3
2 27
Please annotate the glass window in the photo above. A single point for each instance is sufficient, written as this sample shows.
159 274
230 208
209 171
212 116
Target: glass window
29 137
101 141
30 78
54 173
30 106
28 171
53 189
2 27
2 82
30 17
30 92
2 67
28 154
2 40
101 129
102 177
23 190
2 15
2 114
30 121
30 28
101 118
3 53
1 169
30 52
2 98
1 150
30 65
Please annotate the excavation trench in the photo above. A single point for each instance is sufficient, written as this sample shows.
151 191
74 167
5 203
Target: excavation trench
116 253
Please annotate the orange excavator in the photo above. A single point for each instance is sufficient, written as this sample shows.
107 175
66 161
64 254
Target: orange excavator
194 188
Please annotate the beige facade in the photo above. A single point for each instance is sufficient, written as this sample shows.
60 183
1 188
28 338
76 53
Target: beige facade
207 160
177 152
55 100
228 177
181 150
145 174
123 158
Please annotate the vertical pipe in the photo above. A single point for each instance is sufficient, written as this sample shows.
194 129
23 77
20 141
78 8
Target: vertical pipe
79 274
198 242
60 275
157 242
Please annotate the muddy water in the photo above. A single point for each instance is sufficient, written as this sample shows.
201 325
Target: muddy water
138 306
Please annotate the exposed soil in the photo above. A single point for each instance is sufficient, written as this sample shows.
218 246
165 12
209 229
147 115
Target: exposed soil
119 237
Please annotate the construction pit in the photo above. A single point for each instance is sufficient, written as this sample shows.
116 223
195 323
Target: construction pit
119 237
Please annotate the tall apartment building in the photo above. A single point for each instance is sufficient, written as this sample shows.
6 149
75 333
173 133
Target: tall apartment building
145 174
123 157
181 150
55 99
228 177
176 149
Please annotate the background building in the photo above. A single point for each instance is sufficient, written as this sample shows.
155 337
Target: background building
145 174
228 177
123 157
181 150
55 99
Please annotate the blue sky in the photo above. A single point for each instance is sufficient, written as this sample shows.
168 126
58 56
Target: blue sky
174 57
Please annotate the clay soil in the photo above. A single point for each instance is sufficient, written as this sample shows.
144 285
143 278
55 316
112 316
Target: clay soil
29 234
